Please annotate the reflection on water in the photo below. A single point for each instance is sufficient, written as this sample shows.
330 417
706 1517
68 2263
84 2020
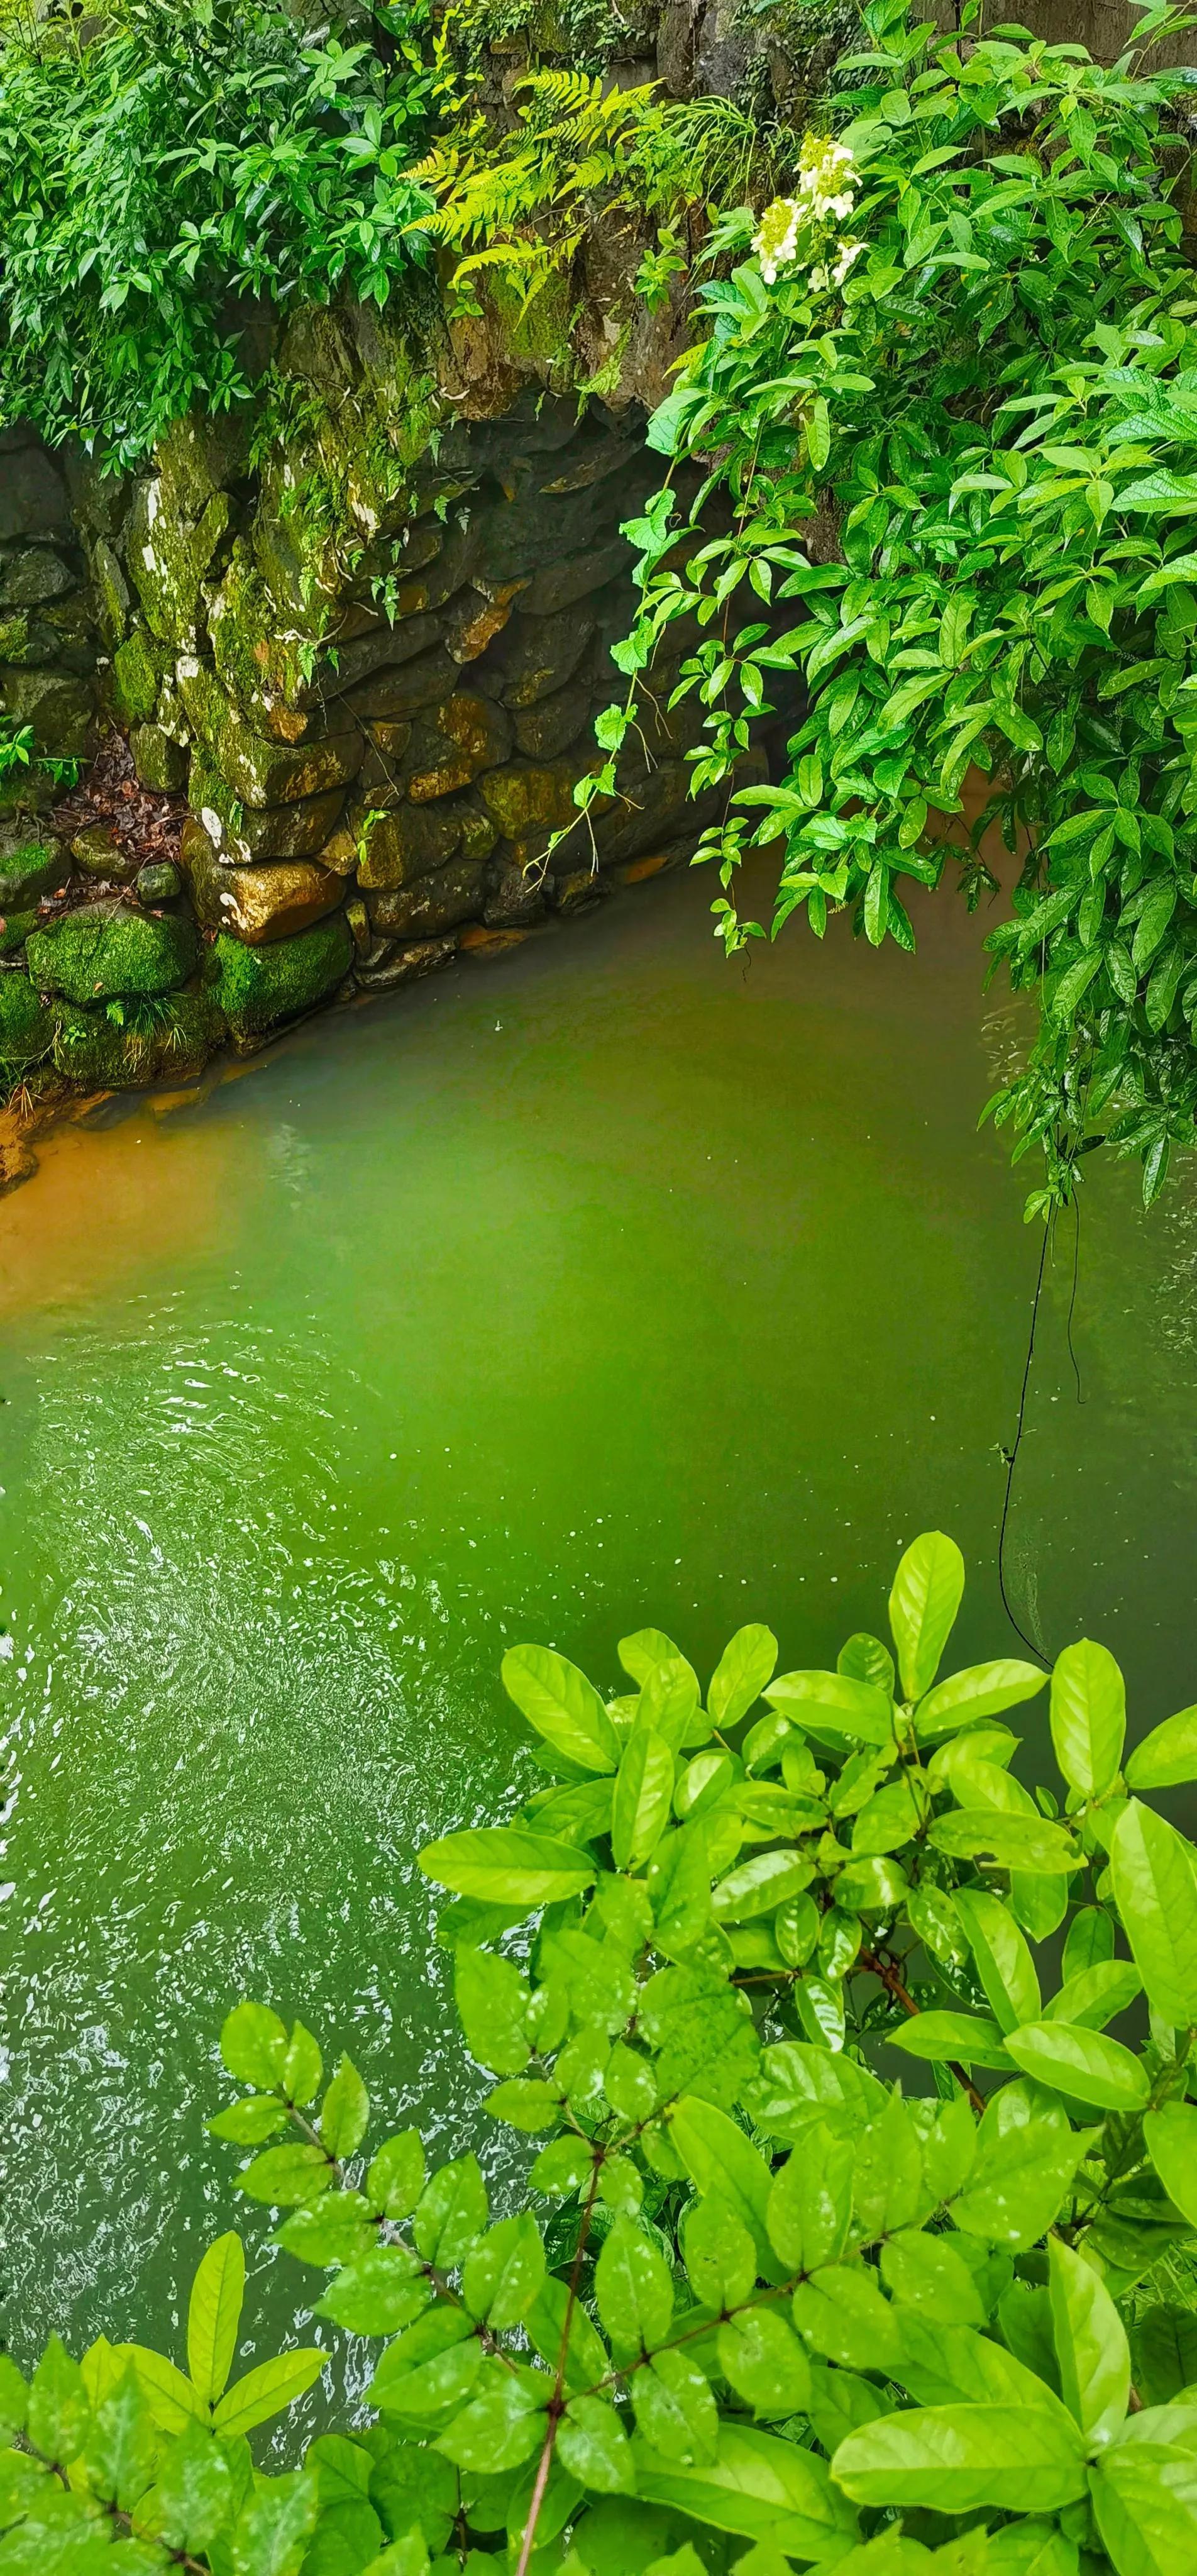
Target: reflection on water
607 1285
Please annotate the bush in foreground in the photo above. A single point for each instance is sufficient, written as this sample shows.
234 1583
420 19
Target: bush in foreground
779 2313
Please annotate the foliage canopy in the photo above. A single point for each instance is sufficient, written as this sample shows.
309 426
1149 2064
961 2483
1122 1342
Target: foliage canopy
779 2312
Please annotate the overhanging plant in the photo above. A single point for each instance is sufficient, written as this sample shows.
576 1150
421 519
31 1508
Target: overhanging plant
780 2312
949 390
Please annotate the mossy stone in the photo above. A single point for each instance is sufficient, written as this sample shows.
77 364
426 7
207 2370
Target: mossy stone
170 1040
109 949
17 926
26 1026
158 882
137 668
258 987
29 871
160 762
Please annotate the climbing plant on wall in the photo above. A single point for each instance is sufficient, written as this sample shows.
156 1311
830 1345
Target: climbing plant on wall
949 389
755 2305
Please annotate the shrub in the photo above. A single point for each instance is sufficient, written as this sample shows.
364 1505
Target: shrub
170 165
948 392
780 2312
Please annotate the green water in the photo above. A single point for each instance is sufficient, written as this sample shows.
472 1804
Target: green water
601 1285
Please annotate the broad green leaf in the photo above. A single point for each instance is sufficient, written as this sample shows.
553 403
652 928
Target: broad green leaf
434 2364
744 1667
58 2414
302 2066
758 2485
14 2398
1038 1904
720 2159
758 1886
669 1704
643 1798
273 2524
867 1660
194 2490
961 2458
982 1690
1089 1940
587 2358
1015 1842
834 1705
1170 2136
593 2446
1083 2064
840 2313
253 2044
562 1705
719 2253
1003 1960
923 1603
762 2359
502 2425
451 2213
266 2391
376 2292
503 2273
249 2122
213 2316
633 2291
287 2177
396 2176
1088 1717
675 2409
122 2445
939 2036
1096 1995
1091 2345
172 2400
809 2209
1164 2353
794 2077
926 2272
344 2112
1025 2163
1156 1889
647 1647
1167 1758
508 1867
492 2001
888 2185
679 1888
1145 2504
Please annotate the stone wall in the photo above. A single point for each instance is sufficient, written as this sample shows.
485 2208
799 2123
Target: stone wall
47 629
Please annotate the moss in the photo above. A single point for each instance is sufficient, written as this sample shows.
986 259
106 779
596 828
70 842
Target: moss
165 1040
137 668
30 871
109 949
26 1026
257 987
17 926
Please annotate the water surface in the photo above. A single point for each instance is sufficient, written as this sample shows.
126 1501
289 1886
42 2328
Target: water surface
601 1285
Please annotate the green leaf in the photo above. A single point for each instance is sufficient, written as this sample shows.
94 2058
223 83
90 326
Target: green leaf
587 2358
643 1798
1097 1995
253 2044
247 2123
194 2491
719 2253
502 2425
302 2066
526 2102
451 2213
214 2315
840 2313
923 1603
758 1886
273 2525
675 2409
959 2459
940 2036
492 2001
764 2362
562 1705
1170 2136
508 1867
593 2446
1145 2504
377 2292
1003 1960
809 2209
1090 1939
1167 1758
647 1647
679 1887
1025 2163
758 2485
1156 1890
266 2391
722 2160
434 2364
14 2398
1015 1842
744 1667
396 2176
633 2291
503 2273
122 2447
1088 1717
927 2273
668 1704
835 1705
1091 2345
1082 2064
287 2177
58 2416
980 1691
172 2400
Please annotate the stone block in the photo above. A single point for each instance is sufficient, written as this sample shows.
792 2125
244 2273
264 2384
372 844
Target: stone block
258 988
98 1053
514 896
537 655
161 763
109 949
265 903
394 695
98 853
544 731
258 771
561 585
112 591
432 903
26 1026
29 868
159 881
467 734
476 619
138 666
392 965
33 575
398 846
527 793
387 648
242 833
33 496
58 707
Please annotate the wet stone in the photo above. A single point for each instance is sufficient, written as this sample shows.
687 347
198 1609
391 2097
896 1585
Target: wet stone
432 903
158 882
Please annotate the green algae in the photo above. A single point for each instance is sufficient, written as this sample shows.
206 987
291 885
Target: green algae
109 949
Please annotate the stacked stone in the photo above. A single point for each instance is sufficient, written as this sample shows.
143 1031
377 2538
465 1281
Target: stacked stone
47 632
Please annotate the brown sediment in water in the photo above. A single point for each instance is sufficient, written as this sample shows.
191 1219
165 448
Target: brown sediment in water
111 1208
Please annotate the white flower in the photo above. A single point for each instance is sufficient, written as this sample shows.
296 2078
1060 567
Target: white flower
849 253
776 239
827 177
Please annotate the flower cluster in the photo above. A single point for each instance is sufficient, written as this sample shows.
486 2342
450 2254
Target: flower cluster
776 239
827 184
821 278
827 178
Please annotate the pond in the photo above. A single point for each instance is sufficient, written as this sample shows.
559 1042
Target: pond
601 1285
